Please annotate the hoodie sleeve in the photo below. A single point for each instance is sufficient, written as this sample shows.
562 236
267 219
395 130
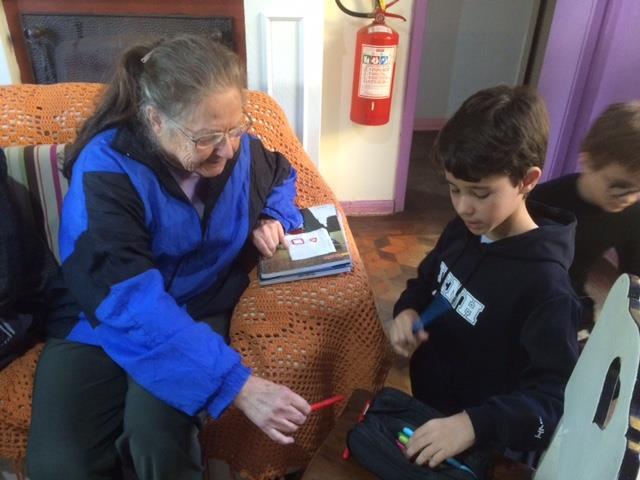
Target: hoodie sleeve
526 418
108 266
418 293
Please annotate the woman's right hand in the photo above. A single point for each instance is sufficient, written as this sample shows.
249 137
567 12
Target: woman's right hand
401 335
273 408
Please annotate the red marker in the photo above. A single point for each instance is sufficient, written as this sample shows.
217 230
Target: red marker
326 403
346 453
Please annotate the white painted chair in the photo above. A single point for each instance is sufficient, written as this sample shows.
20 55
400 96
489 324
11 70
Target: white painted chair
598 437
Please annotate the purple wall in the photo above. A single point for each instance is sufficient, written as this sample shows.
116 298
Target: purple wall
615 71
592 60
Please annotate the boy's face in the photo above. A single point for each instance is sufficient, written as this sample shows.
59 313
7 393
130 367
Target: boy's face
612 188
488 207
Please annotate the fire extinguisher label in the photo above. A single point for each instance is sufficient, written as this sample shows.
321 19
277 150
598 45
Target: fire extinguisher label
376 71
379 29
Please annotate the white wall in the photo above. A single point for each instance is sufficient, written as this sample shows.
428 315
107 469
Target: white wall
470 45
9 72
358 162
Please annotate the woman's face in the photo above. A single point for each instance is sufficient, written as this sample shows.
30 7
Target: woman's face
204 138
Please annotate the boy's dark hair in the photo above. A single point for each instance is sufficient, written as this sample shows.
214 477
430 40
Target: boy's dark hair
497 131
615 137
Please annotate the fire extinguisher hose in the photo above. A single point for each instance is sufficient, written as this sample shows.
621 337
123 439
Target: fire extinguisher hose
380 9
353 13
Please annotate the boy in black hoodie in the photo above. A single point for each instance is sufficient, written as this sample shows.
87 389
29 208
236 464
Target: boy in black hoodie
497 355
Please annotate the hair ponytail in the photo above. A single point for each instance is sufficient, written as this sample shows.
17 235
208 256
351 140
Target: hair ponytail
118 104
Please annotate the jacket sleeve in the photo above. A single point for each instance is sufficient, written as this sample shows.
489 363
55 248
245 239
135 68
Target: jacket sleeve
105 245
281 203
273 187
418 293
526 418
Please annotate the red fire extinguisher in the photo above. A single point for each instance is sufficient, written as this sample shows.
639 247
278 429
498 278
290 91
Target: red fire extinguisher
374 68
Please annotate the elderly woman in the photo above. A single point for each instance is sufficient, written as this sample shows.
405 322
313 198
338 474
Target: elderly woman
166 188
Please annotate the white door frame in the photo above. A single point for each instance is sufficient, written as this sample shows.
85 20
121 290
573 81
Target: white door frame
284 40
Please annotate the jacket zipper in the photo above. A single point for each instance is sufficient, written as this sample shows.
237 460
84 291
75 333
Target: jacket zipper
203 230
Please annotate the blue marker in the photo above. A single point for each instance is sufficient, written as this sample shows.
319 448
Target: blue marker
451 461
438 306
461 466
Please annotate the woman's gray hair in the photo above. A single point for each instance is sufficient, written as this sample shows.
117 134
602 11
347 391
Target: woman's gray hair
176 74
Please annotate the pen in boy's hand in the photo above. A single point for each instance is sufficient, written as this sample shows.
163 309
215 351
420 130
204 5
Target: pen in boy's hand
326 403
437 307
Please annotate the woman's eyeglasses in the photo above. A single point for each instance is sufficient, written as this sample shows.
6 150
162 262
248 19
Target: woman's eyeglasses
215 139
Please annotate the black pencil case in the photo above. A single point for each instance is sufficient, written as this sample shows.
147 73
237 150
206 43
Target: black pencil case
372 442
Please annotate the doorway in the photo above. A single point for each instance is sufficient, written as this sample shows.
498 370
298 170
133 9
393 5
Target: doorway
459 47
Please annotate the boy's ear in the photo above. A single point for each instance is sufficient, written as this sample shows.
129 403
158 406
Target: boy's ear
530 180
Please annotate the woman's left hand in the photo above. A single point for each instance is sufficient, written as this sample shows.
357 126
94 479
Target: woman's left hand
267 236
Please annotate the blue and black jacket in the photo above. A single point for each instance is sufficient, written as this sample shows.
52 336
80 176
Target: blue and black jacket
141 269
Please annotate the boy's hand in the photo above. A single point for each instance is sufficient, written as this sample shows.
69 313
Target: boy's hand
401 335
441 438
267 236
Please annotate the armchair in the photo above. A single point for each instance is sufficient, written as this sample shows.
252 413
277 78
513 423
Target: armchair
320 336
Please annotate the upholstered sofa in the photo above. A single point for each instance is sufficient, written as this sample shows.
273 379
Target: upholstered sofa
320 337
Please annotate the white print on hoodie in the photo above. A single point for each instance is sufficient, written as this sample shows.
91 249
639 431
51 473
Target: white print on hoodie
467 306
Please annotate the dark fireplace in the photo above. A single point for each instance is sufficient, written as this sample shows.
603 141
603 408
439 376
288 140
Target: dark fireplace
84 48
80 41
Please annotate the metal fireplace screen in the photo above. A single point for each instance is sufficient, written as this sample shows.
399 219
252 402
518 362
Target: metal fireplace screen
85 48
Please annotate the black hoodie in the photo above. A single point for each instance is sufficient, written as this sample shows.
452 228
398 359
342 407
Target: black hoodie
507 346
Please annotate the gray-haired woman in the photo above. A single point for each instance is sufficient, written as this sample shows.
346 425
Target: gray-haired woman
166 187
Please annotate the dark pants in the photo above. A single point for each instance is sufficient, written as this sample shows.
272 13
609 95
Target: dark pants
89 417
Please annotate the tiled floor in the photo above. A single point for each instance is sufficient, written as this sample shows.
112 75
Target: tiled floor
392 246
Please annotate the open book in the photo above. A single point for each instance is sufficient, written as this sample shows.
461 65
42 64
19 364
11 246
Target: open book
317 249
